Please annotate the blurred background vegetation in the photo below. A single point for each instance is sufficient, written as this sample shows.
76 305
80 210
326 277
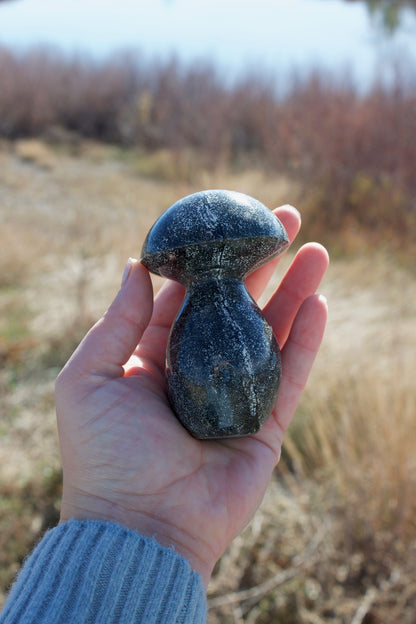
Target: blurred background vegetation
353 156
389 11
91 152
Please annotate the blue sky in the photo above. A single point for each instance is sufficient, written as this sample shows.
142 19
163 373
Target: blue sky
235 34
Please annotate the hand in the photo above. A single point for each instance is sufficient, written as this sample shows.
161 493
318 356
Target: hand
126 457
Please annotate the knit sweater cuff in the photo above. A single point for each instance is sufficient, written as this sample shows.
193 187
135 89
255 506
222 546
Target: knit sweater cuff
99 572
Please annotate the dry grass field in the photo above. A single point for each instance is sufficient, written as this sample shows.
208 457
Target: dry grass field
335 538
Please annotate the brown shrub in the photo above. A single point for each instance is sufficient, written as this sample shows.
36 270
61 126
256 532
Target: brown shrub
354 154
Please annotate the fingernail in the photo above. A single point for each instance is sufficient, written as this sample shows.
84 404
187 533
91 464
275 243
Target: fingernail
294 210
323 300
127 270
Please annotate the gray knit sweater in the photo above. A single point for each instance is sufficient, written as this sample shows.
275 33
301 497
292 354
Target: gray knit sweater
102 573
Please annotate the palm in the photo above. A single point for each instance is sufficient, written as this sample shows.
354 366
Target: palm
134 459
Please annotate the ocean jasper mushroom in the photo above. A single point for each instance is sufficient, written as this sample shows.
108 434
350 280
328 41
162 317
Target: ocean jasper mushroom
223 362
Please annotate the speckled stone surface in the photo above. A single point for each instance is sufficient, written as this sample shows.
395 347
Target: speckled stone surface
223 362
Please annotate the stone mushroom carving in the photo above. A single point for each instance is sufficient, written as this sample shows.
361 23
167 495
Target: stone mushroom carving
223 362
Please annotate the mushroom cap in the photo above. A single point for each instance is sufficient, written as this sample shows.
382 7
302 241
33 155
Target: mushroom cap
215 230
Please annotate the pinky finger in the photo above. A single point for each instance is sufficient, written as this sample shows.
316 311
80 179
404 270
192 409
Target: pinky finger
298 356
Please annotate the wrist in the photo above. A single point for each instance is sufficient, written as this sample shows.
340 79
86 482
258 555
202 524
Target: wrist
192 548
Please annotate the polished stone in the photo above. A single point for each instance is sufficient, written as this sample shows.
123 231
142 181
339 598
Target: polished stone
223 362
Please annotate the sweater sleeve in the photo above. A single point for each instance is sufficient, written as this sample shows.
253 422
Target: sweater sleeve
89 572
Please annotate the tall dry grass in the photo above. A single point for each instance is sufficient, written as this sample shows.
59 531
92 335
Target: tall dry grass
360 438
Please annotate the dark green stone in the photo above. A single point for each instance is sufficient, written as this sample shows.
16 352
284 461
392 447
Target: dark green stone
223 362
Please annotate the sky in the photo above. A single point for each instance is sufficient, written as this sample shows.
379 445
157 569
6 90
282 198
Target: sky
234 34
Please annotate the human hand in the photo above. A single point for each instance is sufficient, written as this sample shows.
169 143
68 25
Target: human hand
126 457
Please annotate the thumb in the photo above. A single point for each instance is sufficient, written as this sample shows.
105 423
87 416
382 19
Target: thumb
112 340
